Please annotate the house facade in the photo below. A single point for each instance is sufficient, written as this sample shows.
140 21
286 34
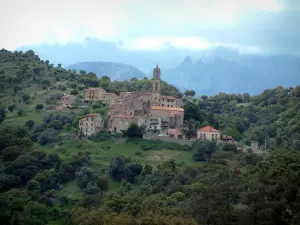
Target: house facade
91 124
99 94
208 133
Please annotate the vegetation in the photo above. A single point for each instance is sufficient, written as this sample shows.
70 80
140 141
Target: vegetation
50 175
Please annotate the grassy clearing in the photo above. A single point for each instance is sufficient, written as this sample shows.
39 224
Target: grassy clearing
102 152
12 118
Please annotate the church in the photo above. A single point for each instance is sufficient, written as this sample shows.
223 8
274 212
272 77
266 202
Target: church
155 111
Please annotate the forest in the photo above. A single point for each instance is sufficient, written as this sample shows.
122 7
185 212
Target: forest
47 176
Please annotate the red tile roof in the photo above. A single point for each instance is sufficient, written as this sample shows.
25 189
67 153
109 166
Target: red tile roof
208 129
91 114
167 108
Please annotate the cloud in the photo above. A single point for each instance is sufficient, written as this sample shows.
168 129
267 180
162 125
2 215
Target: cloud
252 25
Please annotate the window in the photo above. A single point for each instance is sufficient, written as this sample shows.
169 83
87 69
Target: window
156 86
168 105
87 124
86 129
87 119
163 105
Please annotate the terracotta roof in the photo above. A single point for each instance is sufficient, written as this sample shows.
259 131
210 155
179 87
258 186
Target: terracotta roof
208 129
91 114
93 89
174 131
123 116
167 108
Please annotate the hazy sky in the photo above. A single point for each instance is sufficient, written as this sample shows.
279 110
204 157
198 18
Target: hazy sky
250 25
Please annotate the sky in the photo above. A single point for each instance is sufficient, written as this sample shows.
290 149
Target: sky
261 26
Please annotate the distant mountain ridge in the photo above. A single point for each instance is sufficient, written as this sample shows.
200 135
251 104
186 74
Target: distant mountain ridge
116 71
220 69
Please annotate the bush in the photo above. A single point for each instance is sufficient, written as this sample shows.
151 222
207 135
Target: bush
39 107
20 112
203 150
229 147
29 124
11 108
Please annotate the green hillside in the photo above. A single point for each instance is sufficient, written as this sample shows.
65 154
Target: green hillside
47 176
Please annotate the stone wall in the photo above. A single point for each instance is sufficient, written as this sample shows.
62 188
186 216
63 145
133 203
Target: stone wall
168 139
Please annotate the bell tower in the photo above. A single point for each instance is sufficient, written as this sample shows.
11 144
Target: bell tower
155 95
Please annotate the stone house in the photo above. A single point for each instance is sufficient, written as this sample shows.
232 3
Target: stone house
99 94
175 134
208 133
68 100
170 101
91 124
119 122
175 115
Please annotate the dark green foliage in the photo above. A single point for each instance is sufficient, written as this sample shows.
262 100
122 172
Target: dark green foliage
229 147
116 168
29 124
11 108
74 92
203 150
39 107
2 114
134 131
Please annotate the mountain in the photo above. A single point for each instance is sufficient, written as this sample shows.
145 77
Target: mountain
209 71
116 71
251 75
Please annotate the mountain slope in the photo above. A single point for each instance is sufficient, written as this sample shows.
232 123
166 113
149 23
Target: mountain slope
116 71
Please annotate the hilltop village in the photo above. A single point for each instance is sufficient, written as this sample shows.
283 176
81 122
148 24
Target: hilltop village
154 111
160 116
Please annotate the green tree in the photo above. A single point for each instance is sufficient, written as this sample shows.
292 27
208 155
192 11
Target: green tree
134 131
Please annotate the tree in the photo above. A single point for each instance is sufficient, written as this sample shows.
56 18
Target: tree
29 124
116 168
203 150
74 92
134 131
2 114
11 108
39 107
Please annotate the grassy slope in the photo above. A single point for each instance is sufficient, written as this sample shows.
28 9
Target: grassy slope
102 152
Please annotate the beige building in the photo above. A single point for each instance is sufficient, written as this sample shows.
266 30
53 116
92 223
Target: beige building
175 134
208 133
99 94
91 124
175 115
119 122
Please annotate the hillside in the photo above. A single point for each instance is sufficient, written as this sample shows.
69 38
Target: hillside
115 71
48 176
